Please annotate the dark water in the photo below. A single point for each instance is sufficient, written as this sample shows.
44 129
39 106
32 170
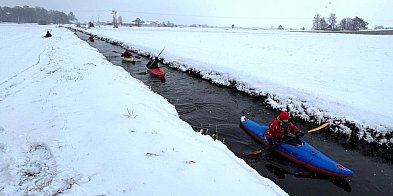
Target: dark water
217 110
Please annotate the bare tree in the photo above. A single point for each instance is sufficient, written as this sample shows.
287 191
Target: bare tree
169 24
316 25
138 22
324 24
71 16
332 20
346 24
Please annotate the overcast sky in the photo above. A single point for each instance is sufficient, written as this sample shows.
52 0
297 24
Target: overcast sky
255 13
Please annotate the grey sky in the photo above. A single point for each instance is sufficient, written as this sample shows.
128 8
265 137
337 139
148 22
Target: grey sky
257 13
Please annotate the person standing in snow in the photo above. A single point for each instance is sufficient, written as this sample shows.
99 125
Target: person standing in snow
279 128
48 34
126 54
153 63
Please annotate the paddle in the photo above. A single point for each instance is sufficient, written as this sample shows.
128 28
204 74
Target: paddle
160 52
154 60
319 128
257 152
138 57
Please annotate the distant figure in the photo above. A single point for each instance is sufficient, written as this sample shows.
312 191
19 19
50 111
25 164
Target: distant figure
233 26
153 63
48 34
91 38
126 54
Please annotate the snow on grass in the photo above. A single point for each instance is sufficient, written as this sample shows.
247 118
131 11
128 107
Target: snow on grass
72 123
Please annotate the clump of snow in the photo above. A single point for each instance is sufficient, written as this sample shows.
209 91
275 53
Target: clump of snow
343 129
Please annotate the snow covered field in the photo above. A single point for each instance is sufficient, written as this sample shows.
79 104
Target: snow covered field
340 78
72 123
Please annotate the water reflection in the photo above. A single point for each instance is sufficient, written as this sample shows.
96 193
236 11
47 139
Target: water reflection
281 172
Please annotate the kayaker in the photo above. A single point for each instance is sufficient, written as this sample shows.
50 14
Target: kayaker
279 128
126 54
153 63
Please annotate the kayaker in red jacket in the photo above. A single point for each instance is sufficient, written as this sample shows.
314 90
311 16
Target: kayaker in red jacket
279 128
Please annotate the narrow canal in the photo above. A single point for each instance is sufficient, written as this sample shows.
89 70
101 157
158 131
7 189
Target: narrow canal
216 111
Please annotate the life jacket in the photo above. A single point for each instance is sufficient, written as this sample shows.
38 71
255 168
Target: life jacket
279 130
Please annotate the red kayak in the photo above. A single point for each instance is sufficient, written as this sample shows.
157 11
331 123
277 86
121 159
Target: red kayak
157 72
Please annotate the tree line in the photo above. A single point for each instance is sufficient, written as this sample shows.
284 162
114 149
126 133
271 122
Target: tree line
354 24
38 15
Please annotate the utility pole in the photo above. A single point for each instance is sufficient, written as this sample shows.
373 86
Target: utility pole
114 12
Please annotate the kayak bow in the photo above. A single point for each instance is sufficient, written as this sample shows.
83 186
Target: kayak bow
157 72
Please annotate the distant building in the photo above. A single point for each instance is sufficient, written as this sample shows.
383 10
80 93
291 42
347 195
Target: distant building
151 24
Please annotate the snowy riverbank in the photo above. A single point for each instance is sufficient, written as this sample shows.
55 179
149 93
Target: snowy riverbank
71 123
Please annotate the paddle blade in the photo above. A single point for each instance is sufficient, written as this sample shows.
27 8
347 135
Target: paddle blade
319 128
255 153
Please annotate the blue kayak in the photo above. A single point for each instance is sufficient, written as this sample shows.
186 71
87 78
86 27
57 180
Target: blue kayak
301 152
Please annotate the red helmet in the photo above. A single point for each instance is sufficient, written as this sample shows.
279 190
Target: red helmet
283 116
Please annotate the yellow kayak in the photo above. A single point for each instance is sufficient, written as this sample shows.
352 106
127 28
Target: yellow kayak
130 60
